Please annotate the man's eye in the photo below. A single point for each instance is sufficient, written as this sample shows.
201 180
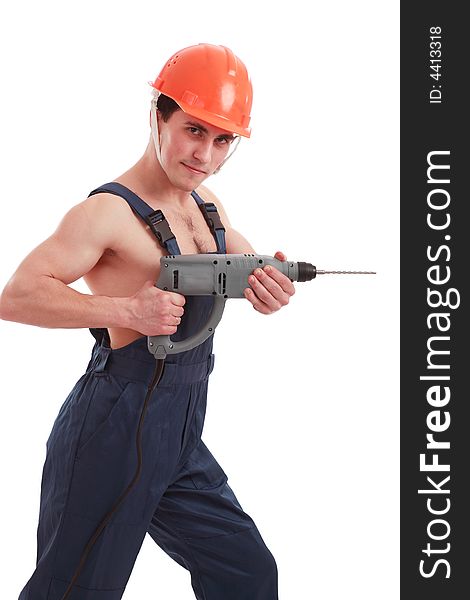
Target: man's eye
222 140
194 130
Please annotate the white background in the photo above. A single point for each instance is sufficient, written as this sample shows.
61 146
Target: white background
303 405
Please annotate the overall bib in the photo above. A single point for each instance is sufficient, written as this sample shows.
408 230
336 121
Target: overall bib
182 498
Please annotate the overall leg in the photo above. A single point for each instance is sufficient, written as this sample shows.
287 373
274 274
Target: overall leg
201 525
90 461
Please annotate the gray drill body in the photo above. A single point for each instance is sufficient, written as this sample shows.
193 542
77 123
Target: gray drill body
219 275
223 275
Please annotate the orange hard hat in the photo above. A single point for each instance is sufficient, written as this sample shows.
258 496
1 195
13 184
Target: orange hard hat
210 83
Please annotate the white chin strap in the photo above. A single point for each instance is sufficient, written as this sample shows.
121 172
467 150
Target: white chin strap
154 125
156 133
234 146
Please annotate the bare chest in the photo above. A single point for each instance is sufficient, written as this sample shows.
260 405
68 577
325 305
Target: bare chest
123 269
191 231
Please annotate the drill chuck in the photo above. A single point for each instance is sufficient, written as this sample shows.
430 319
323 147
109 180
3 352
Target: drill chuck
306 271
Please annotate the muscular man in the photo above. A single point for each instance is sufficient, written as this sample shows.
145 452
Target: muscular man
114 240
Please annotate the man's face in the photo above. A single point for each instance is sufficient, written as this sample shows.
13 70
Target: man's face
191 149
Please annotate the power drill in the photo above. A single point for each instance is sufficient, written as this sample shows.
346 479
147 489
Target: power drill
222 276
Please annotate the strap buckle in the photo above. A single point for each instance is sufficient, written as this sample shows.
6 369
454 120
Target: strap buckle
209 211
159 226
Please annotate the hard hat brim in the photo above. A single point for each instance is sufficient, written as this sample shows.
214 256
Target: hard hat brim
216 120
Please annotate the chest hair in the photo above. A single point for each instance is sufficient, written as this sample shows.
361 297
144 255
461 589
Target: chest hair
191 231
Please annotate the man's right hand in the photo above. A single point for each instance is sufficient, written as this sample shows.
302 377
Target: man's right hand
155 312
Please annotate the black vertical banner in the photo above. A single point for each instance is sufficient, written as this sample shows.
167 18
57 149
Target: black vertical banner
435 361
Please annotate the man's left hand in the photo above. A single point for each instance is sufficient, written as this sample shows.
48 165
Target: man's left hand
270 289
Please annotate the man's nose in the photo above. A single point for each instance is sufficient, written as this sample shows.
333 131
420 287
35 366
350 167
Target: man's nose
203 151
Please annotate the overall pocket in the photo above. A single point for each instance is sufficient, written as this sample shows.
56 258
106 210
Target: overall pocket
108 395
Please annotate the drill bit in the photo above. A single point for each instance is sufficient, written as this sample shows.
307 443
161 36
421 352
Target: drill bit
321 272
307 272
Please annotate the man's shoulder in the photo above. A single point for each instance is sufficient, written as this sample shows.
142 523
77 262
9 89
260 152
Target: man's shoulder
206 194
106 206
100 219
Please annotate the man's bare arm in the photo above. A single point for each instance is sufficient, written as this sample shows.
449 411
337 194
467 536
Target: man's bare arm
38 293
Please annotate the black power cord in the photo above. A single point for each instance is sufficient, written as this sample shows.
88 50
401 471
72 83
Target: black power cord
91 542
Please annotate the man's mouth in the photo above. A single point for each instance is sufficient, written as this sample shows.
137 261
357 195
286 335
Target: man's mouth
194 170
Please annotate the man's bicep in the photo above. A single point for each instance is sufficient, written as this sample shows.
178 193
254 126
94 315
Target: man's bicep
70 252
236 243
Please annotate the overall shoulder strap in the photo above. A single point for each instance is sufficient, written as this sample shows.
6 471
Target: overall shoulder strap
155 219
212 218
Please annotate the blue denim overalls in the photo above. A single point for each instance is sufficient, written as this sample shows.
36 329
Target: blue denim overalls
182 498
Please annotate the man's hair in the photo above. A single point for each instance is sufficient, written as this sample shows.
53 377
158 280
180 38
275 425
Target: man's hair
167 106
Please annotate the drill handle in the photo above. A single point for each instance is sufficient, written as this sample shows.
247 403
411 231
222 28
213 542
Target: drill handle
161 345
